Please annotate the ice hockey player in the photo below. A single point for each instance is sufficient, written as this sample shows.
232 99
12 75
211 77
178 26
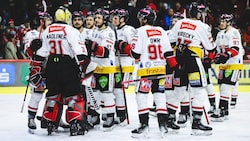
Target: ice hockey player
101 45
230 58
32 43
125 34
66 61
190 33
152 47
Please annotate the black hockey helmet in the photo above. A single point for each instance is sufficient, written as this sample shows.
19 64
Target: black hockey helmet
227 17
195 8
148 14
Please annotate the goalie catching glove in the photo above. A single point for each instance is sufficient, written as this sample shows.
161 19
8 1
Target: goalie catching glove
36 71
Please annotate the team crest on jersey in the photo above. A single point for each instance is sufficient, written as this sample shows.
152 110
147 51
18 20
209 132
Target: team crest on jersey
145 85
168 81
147 64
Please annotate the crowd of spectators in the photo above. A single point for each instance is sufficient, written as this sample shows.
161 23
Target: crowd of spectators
11 34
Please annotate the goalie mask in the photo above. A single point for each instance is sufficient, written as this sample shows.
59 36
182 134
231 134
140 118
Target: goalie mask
62 15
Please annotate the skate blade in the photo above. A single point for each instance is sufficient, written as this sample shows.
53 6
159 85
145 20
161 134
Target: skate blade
140 136
182 125
196 132
108 129
173 131
31 131
220 119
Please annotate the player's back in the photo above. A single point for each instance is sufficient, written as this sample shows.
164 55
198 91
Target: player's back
152 42
61 39
193 33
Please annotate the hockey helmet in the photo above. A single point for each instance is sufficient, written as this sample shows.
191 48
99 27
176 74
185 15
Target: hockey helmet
148 14
104 13
77 14
227 17
178 16
123 13
196 8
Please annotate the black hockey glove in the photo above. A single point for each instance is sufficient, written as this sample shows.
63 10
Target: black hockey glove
120 45
91 45
36 71
221 58
35 45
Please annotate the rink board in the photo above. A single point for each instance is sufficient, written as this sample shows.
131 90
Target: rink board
130 90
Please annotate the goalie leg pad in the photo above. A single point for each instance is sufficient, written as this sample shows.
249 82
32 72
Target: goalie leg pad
75 109
52 108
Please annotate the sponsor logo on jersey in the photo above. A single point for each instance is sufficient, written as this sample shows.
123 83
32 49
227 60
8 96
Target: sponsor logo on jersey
153 32
56 28
186 25
168 81
145 85
103 81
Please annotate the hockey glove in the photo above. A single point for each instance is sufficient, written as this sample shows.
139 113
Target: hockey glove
35 45
120 45
221 58
91 45
36 71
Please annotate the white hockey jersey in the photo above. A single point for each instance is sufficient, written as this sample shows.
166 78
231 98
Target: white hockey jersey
86 33
105 38
151 42
29 36
192 33
126 33
61 39
228 39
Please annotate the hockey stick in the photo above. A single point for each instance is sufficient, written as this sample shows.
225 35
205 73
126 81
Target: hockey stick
206 116
144 78
123 89
34 53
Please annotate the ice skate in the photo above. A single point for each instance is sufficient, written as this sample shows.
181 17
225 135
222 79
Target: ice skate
212 110
108 125
141 132
51 127
198 129
173 128
95 121
76 128
31 125
121 120
182 120
219 116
